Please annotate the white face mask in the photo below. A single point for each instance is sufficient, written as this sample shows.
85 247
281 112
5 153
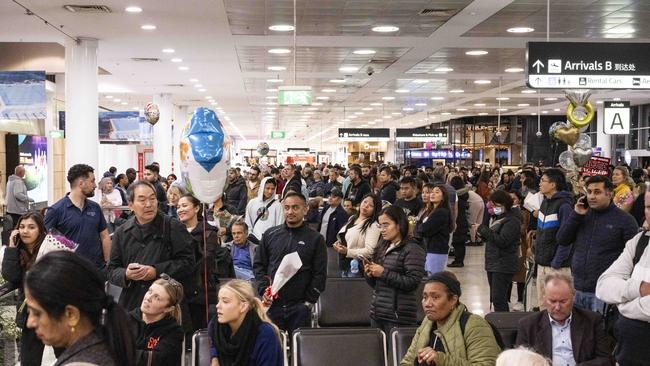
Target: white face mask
498 211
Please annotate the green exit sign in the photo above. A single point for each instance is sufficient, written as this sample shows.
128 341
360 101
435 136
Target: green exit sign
278 134
294 95
57 134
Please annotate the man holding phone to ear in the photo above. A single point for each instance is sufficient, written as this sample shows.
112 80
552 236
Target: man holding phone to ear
598 230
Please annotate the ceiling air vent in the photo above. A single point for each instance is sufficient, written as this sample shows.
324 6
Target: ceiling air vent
87 8
175 85
145 59
443 13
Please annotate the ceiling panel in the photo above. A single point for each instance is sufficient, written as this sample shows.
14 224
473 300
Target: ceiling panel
496 61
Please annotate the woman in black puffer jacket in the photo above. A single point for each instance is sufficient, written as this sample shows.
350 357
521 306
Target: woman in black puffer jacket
395 272
501 243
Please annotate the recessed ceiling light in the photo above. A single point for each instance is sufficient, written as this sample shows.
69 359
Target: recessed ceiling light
279 51
136 108
276 68
385 29
461 109
544 112
194 80
387 117
348 69
396 113
183 68
148 27
420 81
520 30
479 104
358 113
407 109
476 53
387 98
445 113
371 123
376 104
353 117
402 91
378 120
176 59
271 97
208 97
616 99
502 98
502 109
483 114
337 81
437 98
364 52
198 85
421 104
366 109
328 90
317 104
456 91
109 97
271 90
550 99
621 30
133 9
168 50
312 109
599 102
124 103
281 28
202 90
271 103
322 98
533 114
528 91
117 100
514 69
482 82
523 105
556 109
443 69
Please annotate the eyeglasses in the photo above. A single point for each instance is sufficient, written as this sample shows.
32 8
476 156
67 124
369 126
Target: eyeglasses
171 281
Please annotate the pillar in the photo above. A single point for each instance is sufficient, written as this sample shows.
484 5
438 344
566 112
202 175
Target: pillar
81 124
180 119
602 140
162 133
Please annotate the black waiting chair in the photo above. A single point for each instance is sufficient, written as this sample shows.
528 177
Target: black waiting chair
333 269
507 323
401 340
201 348
345 303
339 346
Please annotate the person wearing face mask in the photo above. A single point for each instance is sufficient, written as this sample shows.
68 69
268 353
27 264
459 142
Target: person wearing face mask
157 323
19 257
394 272
501 237
449 335
242 334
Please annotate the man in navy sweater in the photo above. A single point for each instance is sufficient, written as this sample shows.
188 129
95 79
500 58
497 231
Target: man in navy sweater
598 230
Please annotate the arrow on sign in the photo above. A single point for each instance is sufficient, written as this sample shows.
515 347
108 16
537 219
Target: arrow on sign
538 64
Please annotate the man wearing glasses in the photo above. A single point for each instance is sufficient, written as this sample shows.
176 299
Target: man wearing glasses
148 244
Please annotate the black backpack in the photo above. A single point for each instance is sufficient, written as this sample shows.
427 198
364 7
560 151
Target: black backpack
611 310
464 317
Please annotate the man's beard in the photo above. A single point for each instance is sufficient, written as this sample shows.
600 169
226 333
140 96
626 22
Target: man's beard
89 194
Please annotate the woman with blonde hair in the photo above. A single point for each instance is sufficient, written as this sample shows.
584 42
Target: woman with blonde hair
159 339
242 334
174 193
623 185
521 356
111 198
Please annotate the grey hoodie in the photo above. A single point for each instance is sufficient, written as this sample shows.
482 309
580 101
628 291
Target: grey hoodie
17 199
273 216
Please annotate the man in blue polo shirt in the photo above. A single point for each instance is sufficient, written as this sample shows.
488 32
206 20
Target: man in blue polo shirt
80 219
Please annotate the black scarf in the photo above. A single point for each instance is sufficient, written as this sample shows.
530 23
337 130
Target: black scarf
236 350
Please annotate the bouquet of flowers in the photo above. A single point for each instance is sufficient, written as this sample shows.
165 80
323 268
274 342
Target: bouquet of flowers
289 266
53 242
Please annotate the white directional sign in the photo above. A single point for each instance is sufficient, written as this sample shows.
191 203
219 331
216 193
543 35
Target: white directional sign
617 118
582 65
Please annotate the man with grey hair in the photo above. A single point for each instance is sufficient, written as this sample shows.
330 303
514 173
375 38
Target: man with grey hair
16 198
566 334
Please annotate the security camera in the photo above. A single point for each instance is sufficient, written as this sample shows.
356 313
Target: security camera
370 71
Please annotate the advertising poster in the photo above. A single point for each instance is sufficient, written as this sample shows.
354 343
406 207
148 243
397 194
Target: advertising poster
125 127
596 166
33 156
22 95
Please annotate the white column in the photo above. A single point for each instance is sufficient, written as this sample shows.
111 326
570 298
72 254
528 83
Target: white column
180 119
602 140
81 125
50 124
162 133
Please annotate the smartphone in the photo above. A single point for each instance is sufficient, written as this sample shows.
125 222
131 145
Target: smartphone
583 202
364 259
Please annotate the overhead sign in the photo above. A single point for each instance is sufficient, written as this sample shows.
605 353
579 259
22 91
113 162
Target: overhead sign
617 118
438 154
278 134
563 65
364 134
596 166
294 95
421 134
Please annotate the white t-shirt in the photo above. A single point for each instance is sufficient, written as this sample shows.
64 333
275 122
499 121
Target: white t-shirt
326 219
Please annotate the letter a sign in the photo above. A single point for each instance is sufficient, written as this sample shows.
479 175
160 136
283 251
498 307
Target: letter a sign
617 118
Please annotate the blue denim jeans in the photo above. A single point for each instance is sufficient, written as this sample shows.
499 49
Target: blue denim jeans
435 263
589 301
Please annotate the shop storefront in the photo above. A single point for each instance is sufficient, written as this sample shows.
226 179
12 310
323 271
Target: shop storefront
365 145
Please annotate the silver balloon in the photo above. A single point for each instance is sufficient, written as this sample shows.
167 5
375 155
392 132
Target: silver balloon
556 126
581 155
263 148
566 161
584 141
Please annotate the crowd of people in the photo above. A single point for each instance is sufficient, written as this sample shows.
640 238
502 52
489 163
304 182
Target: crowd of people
165 257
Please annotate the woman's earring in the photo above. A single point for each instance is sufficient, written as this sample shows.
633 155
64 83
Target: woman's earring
72 329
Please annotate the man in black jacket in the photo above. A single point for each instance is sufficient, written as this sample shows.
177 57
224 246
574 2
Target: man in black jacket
333 217
292 308
152 175
389 188
147 245
236 194
358 187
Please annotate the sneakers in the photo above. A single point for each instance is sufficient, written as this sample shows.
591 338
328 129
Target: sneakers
518 307
456 265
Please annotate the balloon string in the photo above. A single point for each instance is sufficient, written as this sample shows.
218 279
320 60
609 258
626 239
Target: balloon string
205 263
